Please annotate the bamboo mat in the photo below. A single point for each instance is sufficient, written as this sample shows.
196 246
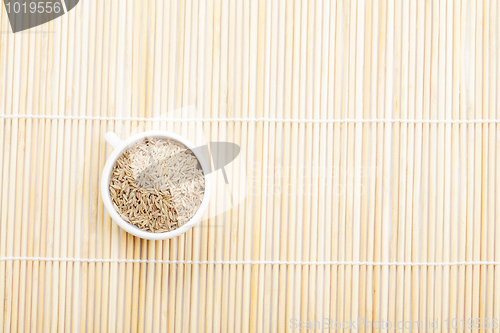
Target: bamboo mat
369 144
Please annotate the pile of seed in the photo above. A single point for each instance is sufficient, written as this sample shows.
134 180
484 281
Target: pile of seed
157 185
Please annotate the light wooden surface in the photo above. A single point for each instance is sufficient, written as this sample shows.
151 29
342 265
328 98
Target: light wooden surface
331 204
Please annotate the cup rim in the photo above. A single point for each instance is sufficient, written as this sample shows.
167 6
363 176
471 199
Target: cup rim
106 177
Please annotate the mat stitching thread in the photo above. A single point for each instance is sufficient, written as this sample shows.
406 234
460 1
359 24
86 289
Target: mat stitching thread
273 120
251 262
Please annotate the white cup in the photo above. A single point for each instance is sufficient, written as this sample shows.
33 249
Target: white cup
120 147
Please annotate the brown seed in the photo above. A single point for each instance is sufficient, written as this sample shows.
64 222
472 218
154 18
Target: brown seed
157 185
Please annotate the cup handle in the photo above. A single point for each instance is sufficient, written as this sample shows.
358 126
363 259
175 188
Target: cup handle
112 139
